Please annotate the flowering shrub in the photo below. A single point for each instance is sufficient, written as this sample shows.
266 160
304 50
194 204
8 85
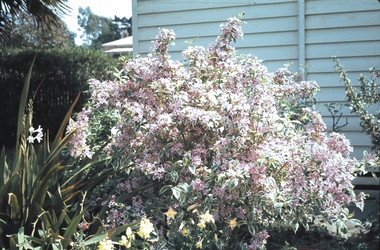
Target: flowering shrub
230 149
145 230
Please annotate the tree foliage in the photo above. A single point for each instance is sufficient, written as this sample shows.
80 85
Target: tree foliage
46 13
25 35
125 24
361 99
98 29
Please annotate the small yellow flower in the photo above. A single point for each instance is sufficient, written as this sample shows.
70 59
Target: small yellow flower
232 223
130 234
184 232
171 213
199 244
201 224
125 242
181 225
216 237
207 217
146 227
105 245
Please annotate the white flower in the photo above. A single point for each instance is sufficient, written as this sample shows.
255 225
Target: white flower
38 137
105 244
146 227
207 217
30 139
114 131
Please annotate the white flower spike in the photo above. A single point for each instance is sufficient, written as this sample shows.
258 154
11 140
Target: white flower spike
38 137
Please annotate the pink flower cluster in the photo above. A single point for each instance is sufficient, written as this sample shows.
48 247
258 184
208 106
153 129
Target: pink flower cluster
163 40
217 120
260 241
78 146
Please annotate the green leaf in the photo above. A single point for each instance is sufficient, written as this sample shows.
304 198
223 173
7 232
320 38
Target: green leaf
55 247
244 246
95 239
57 149
65 121
161 216
251 229
192 169
278 205
42 182
96 227
162 246
84 168
234 183
182 199
121 229
12 243
62 216
20 237
215 167
72 227
190 189
23 102
129 195
241 222
42 215
219 244
304 222
27 245
318 203
3 168
137 126
176 192
183 186
164 189
342 227
174 176
356 222
295 226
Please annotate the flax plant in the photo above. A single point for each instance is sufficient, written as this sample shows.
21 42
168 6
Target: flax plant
40 204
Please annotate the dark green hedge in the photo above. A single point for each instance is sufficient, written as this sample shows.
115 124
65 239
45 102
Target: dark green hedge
61 75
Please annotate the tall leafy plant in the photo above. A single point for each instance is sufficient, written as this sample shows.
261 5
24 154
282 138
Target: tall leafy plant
29 180
39 201
361 100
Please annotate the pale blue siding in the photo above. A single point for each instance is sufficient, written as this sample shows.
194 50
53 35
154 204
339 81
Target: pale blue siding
349 29
270 32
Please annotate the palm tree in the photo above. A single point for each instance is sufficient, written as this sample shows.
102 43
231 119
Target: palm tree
46 14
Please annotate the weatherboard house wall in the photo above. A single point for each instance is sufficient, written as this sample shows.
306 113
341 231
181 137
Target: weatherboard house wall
306 33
